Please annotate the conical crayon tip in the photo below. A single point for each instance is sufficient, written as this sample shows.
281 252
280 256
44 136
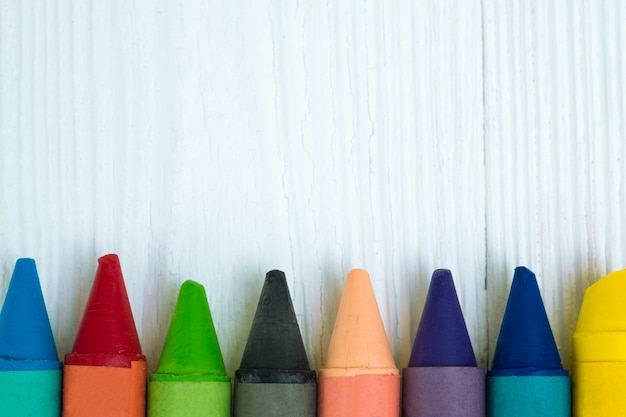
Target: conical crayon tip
359 340
107 326
442 338
25 331
526 342
275 341
191 345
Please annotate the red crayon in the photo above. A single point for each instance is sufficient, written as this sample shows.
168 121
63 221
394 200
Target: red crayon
105 375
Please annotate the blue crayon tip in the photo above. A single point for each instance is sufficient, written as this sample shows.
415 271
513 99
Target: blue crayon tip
26 340
526 345
442 338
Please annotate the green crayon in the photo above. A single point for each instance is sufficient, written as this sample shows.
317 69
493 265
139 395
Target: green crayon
191 379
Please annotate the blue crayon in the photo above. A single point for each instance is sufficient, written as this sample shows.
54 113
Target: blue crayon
30 371
527 378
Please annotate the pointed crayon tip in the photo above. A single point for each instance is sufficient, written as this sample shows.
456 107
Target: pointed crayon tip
526 343
25 332
191 347
359 340
107 329
275 341
442 338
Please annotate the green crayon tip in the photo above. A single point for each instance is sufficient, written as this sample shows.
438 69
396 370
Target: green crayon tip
191 351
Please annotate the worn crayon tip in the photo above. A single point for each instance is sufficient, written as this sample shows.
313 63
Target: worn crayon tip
599 349
600 334
526 344
26 340
359 343
603 309
107 330
442 338
191 349
275 342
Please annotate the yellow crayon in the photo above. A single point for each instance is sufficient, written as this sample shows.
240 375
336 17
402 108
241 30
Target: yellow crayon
599 350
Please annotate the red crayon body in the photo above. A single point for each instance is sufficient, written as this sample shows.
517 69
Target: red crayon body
105 375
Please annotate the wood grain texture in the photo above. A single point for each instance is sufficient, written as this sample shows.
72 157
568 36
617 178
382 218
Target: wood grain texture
555 145
215 141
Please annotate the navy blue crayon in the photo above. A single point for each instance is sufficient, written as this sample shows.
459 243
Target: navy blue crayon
527 377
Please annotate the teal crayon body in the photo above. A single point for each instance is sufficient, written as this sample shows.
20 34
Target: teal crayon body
30 372
528 396
30 393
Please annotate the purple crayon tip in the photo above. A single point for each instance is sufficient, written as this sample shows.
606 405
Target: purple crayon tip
442 338
442 379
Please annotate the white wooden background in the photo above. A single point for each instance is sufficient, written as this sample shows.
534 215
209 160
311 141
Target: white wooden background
216 140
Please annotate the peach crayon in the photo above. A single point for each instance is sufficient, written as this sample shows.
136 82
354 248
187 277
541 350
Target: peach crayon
359 377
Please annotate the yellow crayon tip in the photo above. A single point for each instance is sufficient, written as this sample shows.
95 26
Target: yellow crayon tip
600 333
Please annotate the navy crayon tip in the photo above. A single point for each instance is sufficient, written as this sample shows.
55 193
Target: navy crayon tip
442 338
26 340
275 342
526 344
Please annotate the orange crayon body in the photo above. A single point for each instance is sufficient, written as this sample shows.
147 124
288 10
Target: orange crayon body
359 378
121 391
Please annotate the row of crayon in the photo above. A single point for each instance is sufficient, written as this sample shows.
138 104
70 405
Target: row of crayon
106 375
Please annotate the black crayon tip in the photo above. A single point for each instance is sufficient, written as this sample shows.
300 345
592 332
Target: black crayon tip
275 351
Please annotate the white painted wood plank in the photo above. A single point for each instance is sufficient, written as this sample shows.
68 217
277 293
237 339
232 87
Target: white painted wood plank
555 146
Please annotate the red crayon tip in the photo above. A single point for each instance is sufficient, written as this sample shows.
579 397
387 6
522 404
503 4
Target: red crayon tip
107 335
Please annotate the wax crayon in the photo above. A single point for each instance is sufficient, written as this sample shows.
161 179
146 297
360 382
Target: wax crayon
359 377
191 380
442 379
30 371
105 375
274 378
527 378
599 350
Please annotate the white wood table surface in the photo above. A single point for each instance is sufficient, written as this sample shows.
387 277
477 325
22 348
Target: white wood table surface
216 140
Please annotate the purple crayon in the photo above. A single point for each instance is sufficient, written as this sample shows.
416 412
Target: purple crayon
442 378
